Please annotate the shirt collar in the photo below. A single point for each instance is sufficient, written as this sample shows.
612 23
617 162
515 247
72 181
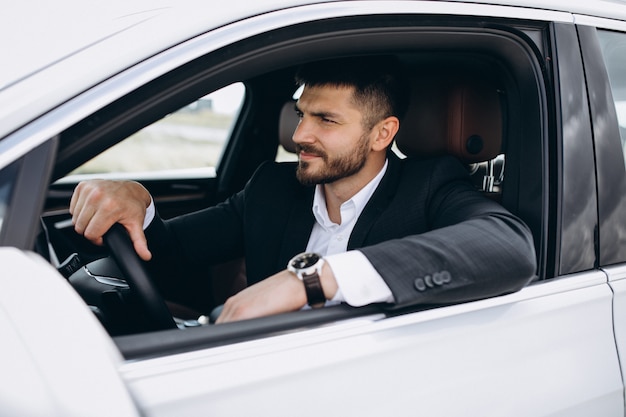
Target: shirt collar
359 200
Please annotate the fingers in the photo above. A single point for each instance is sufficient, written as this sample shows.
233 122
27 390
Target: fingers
280 293
97 205
231 311
76 208
86 208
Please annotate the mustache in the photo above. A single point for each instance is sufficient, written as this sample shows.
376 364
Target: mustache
310 149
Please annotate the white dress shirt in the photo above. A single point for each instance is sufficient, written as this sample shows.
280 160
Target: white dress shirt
359 283
357 280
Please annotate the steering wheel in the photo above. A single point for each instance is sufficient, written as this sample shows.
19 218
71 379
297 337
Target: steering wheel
136 275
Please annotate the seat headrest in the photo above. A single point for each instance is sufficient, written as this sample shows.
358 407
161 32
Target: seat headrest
458 115
287 125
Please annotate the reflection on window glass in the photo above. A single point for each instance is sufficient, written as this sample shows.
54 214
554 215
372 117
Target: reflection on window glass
7 179
190 139
614 51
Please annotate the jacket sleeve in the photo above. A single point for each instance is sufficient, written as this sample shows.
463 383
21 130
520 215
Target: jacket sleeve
474 249
184 248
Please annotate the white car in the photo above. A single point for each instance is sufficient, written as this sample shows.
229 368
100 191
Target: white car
186 97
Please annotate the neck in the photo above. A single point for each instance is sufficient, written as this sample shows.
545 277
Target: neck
340 191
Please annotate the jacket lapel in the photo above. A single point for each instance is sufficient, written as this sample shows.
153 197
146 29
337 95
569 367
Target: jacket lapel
299 226
378 202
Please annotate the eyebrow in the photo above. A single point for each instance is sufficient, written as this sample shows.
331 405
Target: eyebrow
321 114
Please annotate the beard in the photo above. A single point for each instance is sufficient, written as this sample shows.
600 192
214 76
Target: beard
334 168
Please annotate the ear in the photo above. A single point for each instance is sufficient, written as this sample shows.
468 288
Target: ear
385 131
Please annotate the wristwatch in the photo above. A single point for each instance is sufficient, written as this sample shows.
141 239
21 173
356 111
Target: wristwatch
308 267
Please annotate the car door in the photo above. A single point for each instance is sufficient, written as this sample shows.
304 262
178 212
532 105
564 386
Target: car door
546 350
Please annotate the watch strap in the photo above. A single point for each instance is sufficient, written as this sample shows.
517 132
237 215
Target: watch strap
314 292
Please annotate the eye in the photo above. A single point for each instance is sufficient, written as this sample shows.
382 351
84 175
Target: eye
299 114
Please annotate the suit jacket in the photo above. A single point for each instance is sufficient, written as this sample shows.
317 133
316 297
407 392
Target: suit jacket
432 237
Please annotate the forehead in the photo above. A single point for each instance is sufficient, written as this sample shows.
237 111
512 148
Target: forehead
327 98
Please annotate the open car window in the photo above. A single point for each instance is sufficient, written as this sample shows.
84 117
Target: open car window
138 137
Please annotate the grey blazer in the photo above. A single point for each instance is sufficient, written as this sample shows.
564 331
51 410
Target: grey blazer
432 237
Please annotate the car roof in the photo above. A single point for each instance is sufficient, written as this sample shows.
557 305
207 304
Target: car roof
40 33
59 49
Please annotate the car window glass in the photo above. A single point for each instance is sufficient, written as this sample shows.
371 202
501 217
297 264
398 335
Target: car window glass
189 141
614 51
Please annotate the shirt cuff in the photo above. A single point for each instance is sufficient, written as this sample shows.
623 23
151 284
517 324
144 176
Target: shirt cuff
359 283
150 211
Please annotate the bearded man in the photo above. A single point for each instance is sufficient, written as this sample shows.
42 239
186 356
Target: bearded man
349 222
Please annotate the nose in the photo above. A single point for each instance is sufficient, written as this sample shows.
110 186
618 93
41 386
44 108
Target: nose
303 132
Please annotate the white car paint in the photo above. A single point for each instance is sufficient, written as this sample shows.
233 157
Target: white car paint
508 356
617 281
56 358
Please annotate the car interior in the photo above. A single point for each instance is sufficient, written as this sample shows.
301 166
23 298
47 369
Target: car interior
476 92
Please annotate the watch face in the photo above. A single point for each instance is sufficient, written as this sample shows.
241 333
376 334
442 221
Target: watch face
305 260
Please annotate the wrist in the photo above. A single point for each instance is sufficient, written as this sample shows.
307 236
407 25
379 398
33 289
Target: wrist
308 268
149 215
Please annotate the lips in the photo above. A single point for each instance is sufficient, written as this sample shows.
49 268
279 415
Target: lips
306 155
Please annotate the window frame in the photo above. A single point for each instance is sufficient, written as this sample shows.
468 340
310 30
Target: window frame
31 172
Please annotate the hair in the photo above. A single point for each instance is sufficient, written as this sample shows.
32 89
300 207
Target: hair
379 82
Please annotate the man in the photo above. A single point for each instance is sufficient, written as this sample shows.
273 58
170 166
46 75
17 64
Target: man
375 229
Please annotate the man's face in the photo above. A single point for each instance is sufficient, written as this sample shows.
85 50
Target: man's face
330 139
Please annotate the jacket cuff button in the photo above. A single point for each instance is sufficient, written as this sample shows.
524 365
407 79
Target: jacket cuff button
419 284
